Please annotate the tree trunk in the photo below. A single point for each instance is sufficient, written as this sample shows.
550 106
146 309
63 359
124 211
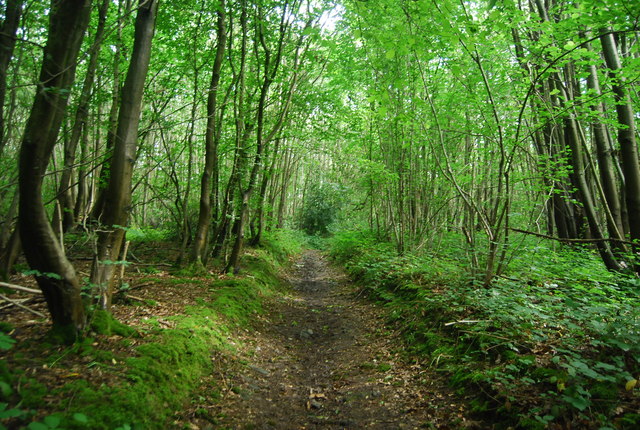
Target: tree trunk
605 161
65 195
105 171
7 45
209 181
270 72
117 207
56 277
626 136
266 177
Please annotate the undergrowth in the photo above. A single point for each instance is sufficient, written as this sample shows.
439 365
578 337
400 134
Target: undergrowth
145 387
555 342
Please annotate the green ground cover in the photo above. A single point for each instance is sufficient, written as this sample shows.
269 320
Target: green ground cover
152 380
554 341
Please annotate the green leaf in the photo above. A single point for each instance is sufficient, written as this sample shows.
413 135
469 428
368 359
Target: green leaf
81 418
37 426
390 54
52 421
579 402
6 342
9 413
5 389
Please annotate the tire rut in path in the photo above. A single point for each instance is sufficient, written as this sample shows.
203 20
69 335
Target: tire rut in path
323 359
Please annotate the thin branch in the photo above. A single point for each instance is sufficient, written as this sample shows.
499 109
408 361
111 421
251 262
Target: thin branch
560 239
20 305
19 288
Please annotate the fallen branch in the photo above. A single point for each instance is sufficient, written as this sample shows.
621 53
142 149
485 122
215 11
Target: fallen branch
152 264
19 288
144 284
20 305
464 322
560 239
139 299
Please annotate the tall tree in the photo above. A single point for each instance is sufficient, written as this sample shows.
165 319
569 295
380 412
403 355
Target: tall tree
626 135
56 277
209 180
117 208
8 31
271 65
65 195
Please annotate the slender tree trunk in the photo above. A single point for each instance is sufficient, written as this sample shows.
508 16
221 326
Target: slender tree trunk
118 194
209 181
585 194
243 131
68 21
626 136
8 31
605 161
65 195
267 175
270 72
103 179
80 206
10 254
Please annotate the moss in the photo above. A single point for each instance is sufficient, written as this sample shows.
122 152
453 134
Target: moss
384 367
237 299
168 367
193 269
62 334
604 391
102 322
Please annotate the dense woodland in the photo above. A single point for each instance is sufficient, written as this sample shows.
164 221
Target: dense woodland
485 147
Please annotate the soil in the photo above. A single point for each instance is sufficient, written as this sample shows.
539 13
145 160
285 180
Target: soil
323 358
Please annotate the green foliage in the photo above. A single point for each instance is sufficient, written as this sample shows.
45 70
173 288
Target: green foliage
6 342
321 206
148 235
282 243
567 330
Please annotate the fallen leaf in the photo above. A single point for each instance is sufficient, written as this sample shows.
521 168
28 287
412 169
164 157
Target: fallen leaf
631 384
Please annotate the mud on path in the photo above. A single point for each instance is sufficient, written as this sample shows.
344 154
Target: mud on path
323 359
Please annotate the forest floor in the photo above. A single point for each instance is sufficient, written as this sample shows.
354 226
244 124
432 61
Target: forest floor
323 358
320 356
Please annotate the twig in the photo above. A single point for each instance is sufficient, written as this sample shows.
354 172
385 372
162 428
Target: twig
124 253
510 340
464 322
20 305
152 264
19 288
145 284
140 299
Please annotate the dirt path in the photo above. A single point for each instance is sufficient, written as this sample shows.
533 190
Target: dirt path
323 359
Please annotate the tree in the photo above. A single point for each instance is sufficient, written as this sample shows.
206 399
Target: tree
115 215
8 31
55 275
209 180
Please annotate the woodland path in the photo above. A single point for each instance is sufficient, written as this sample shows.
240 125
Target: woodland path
322 358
